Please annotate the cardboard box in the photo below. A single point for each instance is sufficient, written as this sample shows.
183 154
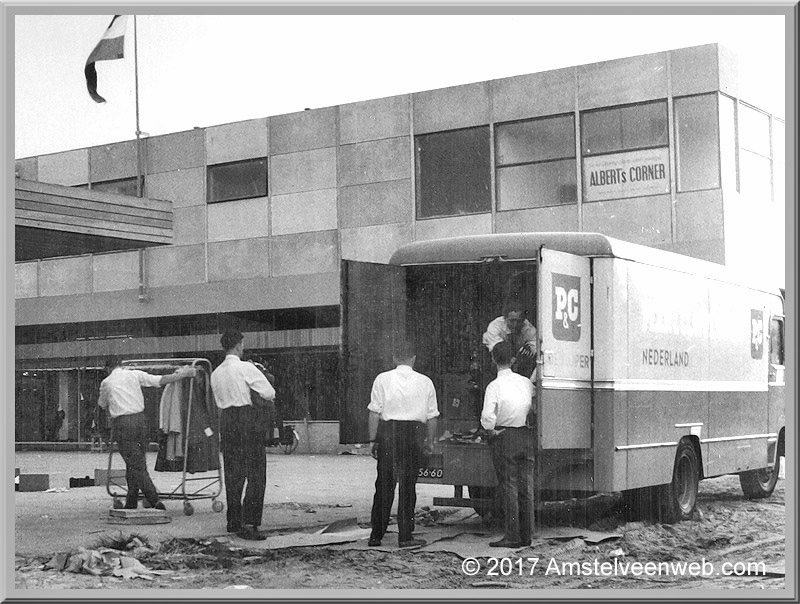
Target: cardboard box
34 482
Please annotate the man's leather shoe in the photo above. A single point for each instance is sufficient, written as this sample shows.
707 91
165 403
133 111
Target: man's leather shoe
506 543
251 533
413 543
374 542
159 506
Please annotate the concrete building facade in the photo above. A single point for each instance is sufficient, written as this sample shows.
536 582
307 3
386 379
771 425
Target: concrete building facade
659 149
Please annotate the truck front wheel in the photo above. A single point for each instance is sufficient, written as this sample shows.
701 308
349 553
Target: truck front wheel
677 500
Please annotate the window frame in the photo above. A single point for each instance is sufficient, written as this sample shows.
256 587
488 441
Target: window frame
586 112
252 161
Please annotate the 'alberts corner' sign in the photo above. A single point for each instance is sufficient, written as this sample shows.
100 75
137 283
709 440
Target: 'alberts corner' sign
631 174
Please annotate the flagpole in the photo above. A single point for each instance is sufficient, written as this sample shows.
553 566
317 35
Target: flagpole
139 190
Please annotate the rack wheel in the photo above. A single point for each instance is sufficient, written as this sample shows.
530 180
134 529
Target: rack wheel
217 506
116 504
188 509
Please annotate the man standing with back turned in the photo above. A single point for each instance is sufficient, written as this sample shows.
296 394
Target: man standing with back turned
243 436
402 426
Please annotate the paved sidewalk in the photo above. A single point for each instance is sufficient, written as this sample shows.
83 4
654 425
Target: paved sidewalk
302 491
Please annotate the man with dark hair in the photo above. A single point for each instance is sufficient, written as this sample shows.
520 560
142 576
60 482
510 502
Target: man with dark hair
506 405
121 394
515 329
402 426
243 436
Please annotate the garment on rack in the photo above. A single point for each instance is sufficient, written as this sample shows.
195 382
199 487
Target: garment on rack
203 435
170 434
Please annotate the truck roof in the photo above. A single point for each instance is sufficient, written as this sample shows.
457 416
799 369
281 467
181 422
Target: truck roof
525 246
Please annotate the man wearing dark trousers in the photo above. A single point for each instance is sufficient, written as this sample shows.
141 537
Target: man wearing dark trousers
402 426
243 435
506 405
121 394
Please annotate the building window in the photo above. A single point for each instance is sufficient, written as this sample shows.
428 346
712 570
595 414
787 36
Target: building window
237 180
625 152
121 186
536 163
453 173
755 155
624 128
697 142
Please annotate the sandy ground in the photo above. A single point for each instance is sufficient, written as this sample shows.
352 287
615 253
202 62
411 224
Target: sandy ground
735 543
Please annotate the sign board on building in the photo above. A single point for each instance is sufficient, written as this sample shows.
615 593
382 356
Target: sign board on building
630 174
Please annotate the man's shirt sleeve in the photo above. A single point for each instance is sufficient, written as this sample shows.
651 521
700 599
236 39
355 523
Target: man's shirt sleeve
376 398
257 382
489 413
102 399
493 334
433 407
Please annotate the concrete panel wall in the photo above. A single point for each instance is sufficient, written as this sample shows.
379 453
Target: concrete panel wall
713 250
477 224
240 140
303 130
376 161
68 168
622 81
375 243
699 216
694 70
238 219
27 169
369 120
176 151
65 276
451 108
303 171
239 259
645 220
534 95
304 212
26 279
176 265
189 225
556 218
305 254
376 203
183 188
729 74
112 162
116 271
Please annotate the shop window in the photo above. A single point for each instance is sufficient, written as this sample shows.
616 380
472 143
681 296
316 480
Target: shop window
624 128
453 173
755 156
697 139
237 180
536 163
121 186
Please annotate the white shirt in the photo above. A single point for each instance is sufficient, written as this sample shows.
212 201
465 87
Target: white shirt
497 331
121 391
402 394
507 400
232 381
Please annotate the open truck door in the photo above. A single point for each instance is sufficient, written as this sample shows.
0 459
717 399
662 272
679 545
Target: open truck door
564 375
373 303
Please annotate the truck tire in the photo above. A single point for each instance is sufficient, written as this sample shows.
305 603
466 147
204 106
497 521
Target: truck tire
677 500
759 484
490 511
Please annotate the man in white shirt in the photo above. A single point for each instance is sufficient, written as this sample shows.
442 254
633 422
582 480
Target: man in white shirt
515 329
121 394
243 434
506 405
402 426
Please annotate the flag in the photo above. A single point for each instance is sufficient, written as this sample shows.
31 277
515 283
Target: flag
111 46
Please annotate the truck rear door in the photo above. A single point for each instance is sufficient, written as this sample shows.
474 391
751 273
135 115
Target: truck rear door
373 304
564 378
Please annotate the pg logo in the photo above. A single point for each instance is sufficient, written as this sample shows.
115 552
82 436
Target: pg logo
756 333
566 307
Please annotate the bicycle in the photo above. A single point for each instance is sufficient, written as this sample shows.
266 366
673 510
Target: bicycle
289 438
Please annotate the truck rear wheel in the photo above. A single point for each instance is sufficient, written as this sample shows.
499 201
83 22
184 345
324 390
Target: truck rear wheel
677 500
491 510
759 484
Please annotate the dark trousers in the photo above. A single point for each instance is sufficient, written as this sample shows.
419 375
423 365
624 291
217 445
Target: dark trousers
130 432
399 461
513 456
244 458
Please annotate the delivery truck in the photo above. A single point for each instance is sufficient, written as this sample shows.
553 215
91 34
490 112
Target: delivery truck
654 370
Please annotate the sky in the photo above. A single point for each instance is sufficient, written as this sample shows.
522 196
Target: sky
204 70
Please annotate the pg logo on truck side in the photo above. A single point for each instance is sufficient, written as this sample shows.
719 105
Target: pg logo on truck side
756 333
566 307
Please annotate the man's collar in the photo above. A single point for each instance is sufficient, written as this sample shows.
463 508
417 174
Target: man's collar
504 371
